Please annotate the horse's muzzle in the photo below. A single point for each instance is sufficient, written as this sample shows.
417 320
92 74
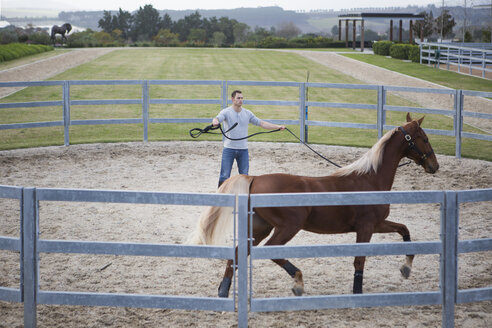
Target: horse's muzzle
431 168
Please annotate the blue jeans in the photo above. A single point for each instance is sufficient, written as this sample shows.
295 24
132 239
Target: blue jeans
228 156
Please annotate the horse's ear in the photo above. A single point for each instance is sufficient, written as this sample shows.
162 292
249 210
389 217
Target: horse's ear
409 118
421 120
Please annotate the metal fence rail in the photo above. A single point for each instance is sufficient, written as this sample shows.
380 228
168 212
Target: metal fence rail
381 106
30 245
471 56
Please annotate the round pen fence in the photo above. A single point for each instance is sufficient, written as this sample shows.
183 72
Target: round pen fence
30 245
381 106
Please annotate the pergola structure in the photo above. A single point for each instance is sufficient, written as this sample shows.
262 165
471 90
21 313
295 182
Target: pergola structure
373 16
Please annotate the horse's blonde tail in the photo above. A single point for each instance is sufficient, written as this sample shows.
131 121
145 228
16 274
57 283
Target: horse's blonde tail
216 222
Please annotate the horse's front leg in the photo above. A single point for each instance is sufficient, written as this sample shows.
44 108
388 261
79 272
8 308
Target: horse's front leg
389 226
359 262
295 273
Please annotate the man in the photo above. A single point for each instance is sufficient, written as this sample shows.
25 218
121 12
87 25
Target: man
237 149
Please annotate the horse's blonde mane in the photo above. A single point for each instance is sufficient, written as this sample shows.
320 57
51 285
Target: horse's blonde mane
370 161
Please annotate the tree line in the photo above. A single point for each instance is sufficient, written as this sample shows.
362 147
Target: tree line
146 25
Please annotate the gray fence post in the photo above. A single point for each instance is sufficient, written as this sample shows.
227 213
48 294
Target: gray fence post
145 109
302 111
380 115
449 257
29 238
242 261
224 94
458 121
421 52
66 112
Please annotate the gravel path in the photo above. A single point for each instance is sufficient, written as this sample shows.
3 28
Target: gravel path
46 68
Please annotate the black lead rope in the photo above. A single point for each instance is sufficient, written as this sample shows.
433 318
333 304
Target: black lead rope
314 151
196 132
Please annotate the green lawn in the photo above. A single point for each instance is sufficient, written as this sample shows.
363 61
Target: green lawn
207 64
446 78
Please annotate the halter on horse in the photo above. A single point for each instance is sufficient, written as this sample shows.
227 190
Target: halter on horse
65 28
374 171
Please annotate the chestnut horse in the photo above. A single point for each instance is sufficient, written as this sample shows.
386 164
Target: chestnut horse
374 171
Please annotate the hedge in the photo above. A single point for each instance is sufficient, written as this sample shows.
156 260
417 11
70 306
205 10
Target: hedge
18 50
400 50
414 53
382 47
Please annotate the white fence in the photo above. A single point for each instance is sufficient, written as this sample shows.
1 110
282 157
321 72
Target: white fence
472 56
30 245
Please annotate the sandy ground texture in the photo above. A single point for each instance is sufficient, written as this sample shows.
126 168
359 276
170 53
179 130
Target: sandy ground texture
194 167
371 74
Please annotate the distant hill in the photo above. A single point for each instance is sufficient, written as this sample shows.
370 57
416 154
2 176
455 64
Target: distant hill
320 21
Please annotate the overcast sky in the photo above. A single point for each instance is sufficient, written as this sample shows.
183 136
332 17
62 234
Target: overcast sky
131 5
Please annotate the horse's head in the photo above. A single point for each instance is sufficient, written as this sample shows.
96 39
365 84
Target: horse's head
68 26
418 147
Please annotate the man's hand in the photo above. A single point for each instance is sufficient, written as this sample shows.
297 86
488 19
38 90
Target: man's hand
215 121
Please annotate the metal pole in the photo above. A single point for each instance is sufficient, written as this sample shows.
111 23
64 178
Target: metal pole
66 112
449 266
458 125
145 109
224 94
380 120
29 239
302 111
242 262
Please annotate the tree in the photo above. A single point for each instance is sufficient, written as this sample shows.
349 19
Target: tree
426 25
197 35
166 38
444 24
334 31
123 22
146 23
183 26
166 22
218 39
288 30
240 31
106 23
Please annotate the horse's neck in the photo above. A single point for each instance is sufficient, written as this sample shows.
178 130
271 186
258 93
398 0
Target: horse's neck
387 169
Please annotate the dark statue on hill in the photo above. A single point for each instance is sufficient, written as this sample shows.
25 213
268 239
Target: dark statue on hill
65 28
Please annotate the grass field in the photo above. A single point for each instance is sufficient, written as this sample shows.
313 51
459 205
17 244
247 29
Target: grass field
207 64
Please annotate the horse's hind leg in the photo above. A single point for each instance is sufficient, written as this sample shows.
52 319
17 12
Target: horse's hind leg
389 226
261 230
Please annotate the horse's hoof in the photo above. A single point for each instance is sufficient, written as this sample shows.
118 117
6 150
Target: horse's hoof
298 291
405 271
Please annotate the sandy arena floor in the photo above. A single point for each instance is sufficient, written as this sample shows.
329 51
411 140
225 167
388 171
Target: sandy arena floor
194 167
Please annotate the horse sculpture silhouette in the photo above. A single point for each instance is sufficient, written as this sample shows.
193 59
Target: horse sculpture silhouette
64 29
375 171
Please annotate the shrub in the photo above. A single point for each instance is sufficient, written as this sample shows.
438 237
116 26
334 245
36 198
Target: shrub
382 47
400 50
40 37
414 53
17 50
